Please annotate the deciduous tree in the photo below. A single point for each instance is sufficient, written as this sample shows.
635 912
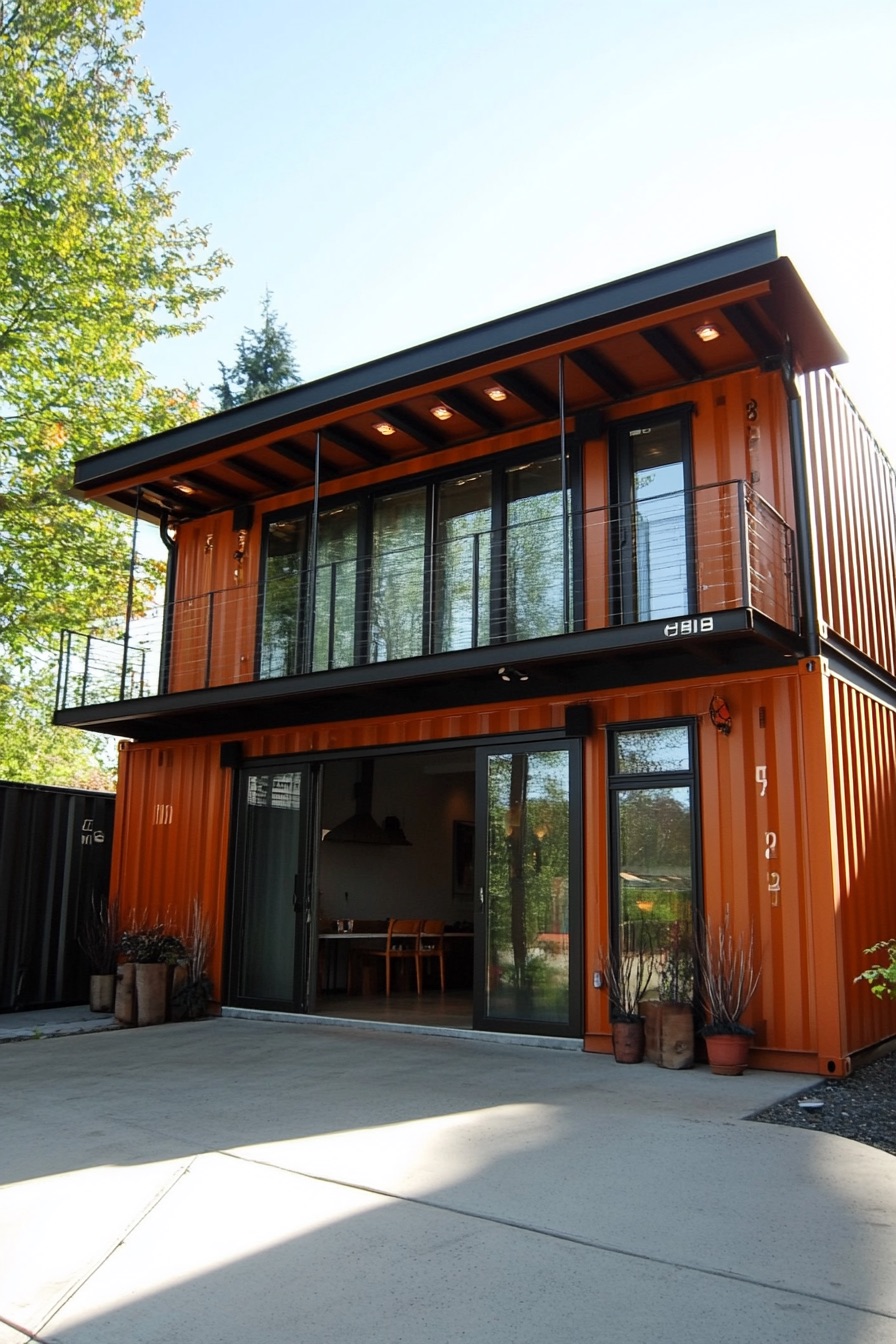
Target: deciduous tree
94 266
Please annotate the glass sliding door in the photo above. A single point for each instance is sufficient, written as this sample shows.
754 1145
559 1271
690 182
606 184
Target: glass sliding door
654 522
528 892
269 909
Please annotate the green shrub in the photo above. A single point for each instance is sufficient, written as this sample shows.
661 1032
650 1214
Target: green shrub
882 979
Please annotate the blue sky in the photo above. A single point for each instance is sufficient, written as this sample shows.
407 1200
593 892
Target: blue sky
396 171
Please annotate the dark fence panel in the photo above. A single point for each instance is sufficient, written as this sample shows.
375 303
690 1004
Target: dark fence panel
55 852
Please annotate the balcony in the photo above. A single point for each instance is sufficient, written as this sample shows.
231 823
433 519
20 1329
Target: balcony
666 571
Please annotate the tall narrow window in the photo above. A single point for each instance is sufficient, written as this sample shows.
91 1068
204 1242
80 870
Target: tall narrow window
534 551
652 797
462 563
335 589
653 518
397 574
283 596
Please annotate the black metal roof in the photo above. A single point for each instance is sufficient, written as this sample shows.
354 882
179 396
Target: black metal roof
267 446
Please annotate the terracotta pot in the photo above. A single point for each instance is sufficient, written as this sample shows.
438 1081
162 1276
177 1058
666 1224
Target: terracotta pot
152 993
102 993
628 1042
728 1055
125 995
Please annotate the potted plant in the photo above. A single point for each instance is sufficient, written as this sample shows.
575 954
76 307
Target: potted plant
151 951
191 989
98 940
669 1018
626 972
729 970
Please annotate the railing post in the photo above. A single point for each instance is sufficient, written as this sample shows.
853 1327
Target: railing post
86 666
65 638
746 581
208 641
331 637
474 615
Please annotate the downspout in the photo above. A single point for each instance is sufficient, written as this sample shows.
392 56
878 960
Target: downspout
170 588
804 537
130 606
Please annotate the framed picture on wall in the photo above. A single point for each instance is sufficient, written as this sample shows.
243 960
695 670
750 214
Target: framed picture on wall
462 861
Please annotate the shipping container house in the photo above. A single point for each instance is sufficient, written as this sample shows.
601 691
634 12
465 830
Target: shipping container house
576 619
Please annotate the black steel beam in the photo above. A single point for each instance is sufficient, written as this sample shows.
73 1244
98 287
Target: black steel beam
750 330
523 387
465 404
674 353
352 443
272 480
602 373
411 426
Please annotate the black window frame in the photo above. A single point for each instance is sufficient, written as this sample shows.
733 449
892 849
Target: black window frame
498 464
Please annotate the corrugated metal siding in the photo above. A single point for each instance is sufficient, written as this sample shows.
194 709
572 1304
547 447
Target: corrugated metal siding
854 503
171 848
863 756
55 851
171 859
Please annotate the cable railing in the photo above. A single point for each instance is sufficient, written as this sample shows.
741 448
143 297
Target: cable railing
672 558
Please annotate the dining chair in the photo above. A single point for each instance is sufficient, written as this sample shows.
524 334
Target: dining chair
432 947
402 945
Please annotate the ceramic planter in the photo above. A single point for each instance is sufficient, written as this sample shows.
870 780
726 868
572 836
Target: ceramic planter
628 1042
728 1054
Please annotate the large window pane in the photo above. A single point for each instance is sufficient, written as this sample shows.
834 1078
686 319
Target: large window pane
660 533
462 563
653 840
534 553
398 567
528 887
335 589
284 578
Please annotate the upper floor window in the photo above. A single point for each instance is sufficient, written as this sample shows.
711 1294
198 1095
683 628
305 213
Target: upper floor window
452 564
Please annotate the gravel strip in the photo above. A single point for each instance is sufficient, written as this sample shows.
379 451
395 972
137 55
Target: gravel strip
861 1107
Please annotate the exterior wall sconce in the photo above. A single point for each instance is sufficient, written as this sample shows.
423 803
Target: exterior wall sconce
720 714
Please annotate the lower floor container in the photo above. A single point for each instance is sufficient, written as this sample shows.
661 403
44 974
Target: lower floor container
516 841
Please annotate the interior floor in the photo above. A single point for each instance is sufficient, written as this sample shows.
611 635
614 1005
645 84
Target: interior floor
452 1009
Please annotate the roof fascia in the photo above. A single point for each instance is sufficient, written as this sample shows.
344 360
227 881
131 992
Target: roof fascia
503 336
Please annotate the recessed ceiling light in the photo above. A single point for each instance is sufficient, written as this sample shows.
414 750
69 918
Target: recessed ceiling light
441 412
496 393
707 331
184 489
384 428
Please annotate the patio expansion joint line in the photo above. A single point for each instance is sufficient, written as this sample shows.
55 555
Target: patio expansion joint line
36 1336
555 1234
